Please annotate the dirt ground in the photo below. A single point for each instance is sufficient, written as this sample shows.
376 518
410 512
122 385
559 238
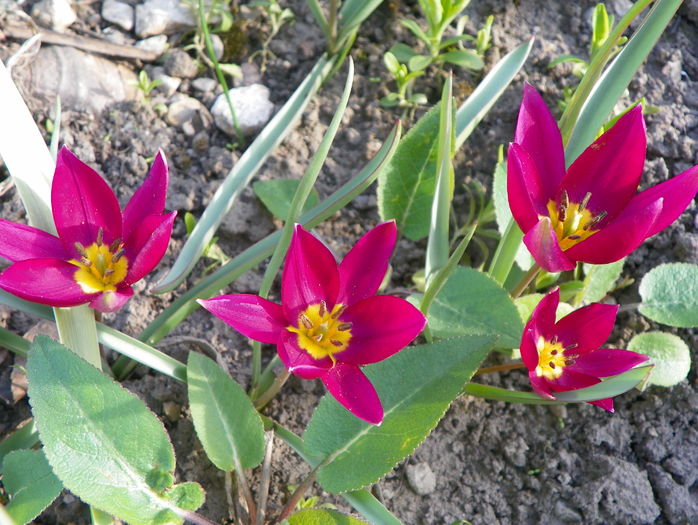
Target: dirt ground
492 462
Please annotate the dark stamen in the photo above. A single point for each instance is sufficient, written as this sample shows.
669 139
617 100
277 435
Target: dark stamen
585 201
80 248
318 338
554 352
574 237
305 321
100 236
115 245
564 199
108 272
323 309
551 365
117 255
336 343
596 220
561 214
573 345
339 312
344 327
86 261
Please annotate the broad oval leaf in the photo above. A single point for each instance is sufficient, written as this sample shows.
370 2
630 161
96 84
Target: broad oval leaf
467 304
30 483
416 386
670 294
227 424
464 58
322 517
101 441
277 196
600 279
668 353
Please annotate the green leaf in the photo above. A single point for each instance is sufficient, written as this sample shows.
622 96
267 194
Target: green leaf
419 62
473 303
352 14
606 92
391 63
611 387
670 294
599 280
416 30
102 441
402 52
243 171
227 424
668 353
322 517
463 58
406 185
526 304
30 483
416 387
277 195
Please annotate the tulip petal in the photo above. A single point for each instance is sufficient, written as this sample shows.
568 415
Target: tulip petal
44 281
677 193
606 362
111 301
540 386
298 361
619 237
541 324
82 203
146 246
538 134
542 242
570 380
310 274
587 327
348 385
606 404
382 326
364 267
251 315
527 191
610 169
19 242
149 198
529 353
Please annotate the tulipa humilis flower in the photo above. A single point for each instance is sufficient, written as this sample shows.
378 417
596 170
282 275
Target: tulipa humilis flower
565 355
591 212
99 251
330 323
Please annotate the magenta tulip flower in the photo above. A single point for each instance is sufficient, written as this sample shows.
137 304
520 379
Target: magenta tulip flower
330 322
591 212
565 355
99 252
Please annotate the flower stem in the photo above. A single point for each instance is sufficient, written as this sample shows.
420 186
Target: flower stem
269 394
296 496
499 368
525 281
504 257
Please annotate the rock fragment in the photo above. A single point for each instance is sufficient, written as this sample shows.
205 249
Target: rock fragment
252 108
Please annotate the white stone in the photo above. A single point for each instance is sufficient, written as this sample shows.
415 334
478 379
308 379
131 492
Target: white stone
168 84
252 108
156 44
118 13
188 114
56 14
204 84
155 17
421 478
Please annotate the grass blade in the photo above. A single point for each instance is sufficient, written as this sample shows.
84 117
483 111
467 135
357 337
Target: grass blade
248 165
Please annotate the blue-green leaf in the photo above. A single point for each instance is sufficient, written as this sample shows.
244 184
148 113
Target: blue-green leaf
30 483
277 195
670 294
668 353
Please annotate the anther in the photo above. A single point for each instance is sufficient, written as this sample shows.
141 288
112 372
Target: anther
339 312
100 236
553 341
574 237
117 255
573 345
115 245
596 220
561 214
108 272
318 338
551 365
305 321
86 261
336 343
585 201
323 309
344 327
80 248
564 199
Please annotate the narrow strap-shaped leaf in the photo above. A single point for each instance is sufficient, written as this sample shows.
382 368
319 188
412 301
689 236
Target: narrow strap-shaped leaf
609 388
616 78
438 239
256 253
245 168
320 18
353 13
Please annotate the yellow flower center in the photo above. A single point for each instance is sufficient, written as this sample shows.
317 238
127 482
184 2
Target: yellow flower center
551 358
572 221
320 332
101 266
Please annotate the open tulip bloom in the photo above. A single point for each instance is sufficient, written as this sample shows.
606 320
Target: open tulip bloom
565 355
330 322
99 252
591 212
